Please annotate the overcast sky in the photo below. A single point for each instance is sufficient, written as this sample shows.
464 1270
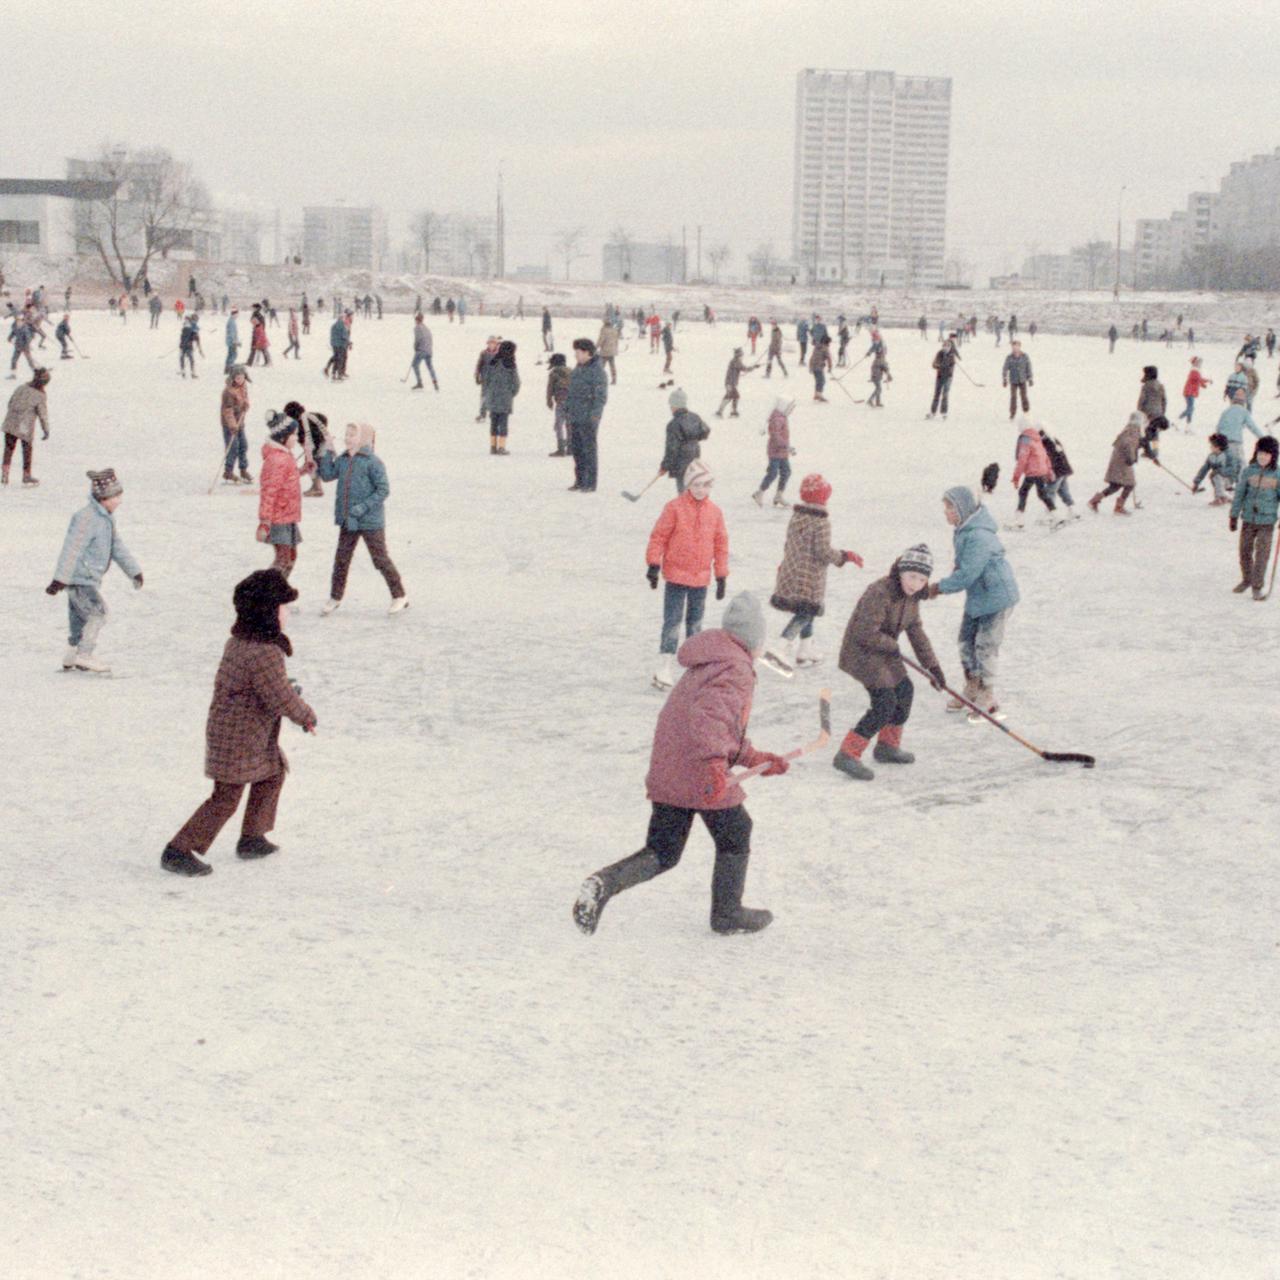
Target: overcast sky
651 116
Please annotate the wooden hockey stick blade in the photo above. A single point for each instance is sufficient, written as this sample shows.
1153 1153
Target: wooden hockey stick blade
631 497
824 736
1069 757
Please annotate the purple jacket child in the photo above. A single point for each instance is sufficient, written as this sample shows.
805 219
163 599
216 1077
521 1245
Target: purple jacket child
701 733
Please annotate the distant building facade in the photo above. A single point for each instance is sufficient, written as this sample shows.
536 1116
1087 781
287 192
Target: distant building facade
39 215
644 263
344 237
869 202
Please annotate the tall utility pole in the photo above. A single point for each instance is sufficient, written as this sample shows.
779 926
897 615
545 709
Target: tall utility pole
1119 207
684 254
699 251
500 235
844 211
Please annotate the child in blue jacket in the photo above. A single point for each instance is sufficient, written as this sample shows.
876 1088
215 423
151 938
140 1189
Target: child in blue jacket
1255 505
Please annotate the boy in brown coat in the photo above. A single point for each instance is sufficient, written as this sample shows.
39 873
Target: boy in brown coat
242 736
869 653
1124 457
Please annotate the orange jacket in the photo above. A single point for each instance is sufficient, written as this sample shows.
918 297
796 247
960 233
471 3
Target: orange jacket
688 537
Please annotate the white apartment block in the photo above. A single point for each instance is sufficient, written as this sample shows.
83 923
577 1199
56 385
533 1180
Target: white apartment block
869 203
341 237
1249 203
1161 244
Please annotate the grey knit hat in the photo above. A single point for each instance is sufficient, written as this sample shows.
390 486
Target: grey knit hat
744 620
678 399
917 559
105 484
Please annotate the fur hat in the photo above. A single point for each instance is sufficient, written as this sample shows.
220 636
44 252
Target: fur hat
678 399
1267 444
814 490
917 559
696 470
257 601
1150 373
104 484
556 360
990 477
744 620
584 344
1218 440
294 410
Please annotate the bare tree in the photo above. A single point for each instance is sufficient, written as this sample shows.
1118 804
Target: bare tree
625 242
155 204
427 226
718 256
763 262
567 243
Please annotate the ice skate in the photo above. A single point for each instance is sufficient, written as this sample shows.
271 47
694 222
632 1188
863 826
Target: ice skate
69 659
758 498
589 904
780 501
970 692
29 482
87 662
664 675
328 607
1240 588
780 657
808 655
399 605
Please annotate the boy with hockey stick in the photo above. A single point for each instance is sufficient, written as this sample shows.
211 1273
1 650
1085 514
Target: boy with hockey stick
1253 511
1120 477
801 585
688 539
990 594
685 432
90 546
1217 466
869 653
700 735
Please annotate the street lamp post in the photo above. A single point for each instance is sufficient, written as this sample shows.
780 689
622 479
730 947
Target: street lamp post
1119 208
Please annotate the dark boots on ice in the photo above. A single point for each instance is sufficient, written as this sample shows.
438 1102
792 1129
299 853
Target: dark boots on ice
599 888
183 864
888 746
728 880
254 847
849 758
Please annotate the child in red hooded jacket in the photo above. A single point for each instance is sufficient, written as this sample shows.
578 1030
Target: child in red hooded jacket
701 733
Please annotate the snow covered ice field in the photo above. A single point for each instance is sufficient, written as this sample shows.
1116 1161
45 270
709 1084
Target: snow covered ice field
1012 1019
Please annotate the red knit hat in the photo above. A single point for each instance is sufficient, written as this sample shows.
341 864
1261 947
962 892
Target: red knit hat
814 489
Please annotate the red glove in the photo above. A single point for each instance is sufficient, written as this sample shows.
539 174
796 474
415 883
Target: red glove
852 557
717 779
777 764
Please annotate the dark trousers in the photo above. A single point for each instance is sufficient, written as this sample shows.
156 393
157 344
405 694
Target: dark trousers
768 368
376 541
669 829
582 440
498 424
804 346
1014 389
1124 490
293 346
1041 486
1255 547
888 707
613 368
202 828
941 390
11 443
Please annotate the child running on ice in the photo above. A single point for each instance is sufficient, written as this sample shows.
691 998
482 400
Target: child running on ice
1253 511
90 546
687 540
1218 467
701 734
778 453
801 585
870 654
1124 456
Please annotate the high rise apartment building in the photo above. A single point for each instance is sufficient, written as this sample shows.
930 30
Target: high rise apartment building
870 189
342 236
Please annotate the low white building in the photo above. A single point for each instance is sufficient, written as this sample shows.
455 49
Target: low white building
38 215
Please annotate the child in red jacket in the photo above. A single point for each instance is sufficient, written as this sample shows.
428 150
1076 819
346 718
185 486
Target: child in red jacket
701 733
687 541
280 493
778 452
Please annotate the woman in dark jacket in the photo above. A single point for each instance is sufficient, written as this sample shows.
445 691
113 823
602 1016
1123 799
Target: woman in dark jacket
251 693
501 382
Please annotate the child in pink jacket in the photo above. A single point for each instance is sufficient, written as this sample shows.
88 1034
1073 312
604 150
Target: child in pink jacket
778 452
280 494
701 733
687 541
1032 468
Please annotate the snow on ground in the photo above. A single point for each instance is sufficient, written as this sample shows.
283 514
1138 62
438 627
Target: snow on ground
1012 1019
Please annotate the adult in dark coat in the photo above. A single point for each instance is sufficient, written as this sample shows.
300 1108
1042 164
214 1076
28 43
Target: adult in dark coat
251 693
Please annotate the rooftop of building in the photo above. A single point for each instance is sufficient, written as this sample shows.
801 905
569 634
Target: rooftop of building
68 189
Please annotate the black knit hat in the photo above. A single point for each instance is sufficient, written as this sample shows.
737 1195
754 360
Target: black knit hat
1267 444
257 601
1149 373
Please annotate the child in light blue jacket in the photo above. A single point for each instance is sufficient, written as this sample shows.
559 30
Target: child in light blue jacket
89 548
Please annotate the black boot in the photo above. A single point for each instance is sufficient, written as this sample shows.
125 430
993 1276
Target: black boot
183 864
728 880
599 888
254 847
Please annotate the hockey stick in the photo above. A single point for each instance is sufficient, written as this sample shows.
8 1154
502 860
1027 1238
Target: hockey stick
222 470
635 497
967 374
1271 586
75 344
840 383
407 373
1058 757
824 736
1167 472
